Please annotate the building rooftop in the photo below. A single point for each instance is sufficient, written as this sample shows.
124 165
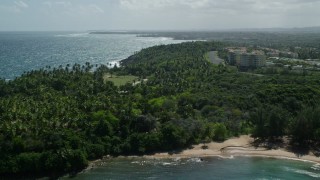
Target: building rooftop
244 51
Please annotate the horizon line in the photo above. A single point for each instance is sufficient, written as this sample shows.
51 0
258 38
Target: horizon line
173 30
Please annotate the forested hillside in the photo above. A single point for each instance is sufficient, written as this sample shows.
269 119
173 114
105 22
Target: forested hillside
54 120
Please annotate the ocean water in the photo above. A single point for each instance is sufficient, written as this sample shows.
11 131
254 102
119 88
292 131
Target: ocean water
25 51
206 168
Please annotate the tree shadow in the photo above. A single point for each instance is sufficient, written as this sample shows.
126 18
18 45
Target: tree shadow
316 151
177 151
204 146
299 149
170 152
270 143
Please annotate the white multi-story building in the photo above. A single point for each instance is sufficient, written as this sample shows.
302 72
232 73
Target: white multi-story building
246 60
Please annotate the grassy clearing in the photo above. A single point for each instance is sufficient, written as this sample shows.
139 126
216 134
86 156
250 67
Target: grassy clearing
207 57
119 80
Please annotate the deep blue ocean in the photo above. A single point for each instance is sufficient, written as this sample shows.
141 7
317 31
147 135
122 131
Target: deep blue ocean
25 51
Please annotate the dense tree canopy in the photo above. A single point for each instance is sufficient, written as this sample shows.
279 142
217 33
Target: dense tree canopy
54 120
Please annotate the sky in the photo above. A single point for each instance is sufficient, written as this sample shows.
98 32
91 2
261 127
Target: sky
82 15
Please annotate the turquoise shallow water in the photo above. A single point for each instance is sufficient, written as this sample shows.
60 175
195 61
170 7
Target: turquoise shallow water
206 168
25 51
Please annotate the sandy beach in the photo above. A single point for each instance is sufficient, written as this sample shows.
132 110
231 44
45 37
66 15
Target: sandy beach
238 146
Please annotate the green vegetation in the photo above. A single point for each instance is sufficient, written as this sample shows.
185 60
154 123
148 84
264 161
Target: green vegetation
305 42
207 56
120 80
52 121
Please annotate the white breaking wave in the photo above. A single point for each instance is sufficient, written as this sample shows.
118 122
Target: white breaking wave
155 39
229 157
316 167
195 160
305 172
73 35
312 174
167 163
111 64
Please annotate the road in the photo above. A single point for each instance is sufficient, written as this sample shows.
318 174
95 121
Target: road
214 58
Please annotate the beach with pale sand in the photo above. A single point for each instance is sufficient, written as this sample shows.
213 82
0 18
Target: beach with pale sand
237 146
243 145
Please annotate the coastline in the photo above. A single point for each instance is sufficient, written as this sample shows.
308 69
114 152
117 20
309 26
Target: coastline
238 146
234 147
241 146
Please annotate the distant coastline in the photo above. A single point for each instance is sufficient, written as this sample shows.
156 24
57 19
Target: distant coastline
244 35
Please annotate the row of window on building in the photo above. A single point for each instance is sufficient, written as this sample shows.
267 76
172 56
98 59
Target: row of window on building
244 59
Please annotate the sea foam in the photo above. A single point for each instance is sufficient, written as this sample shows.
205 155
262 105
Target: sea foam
73 35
